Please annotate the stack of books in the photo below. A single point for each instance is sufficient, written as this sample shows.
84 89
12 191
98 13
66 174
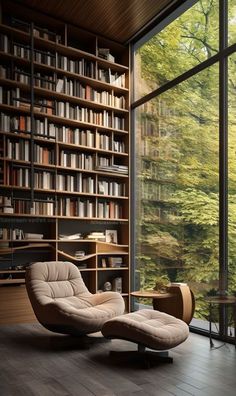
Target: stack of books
113 168
96 236
31 235
105 54
6 205
70 237
115 262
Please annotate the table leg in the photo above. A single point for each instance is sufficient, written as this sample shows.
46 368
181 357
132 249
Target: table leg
210 329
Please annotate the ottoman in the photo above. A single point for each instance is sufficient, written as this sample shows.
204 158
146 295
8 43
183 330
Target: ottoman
148 328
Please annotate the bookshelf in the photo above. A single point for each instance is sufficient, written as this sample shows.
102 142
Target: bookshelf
64 150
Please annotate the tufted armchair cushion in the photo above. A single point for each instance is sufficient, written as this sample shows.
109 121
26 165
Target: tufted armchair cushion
62 302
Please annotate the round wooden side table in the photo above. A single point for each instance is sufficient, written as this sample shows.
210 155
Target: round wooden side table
178 301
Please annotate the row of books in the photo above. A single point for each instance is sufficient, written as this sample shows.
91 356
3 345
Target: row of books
114 78
72 207
111 188
26 207
104 161
84 114
109 210
77 89
42 154
81 66
74 160
40 80
76 207
114 168
23 124
17 234
20 151
41 32
62 133
13 97
21 177
112 262
68 87
75 136
76 183
48 130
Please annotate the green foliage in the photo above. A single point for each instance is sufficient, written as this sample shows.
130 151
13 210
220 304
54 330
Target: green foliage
178 228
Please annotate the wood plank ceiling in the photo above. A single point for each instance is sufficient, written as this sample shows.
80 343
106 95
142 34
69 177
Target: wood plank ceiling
118 20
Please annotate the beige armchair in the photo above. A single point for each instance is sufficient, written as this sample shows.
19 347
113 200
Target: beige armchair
62 302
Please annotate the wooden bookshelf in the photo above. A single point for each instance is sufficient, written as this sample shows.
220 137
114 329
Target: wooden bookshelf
64 150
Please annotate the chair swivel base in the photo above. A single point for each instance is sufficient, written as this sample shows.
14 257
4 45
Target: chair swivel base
142 356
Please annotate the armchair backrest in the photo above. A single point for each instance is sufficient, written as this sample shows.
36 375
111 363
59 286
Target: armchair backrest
47 281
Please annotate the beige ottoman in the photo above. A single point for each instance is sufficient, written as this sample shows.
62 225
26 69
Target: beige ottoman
148 328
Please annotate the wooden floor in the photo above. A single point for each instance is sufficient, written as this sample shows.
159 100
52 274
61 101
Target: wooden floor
35 362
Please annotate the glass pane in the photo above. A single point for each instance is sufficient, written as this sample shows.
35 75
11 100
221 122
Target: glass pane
177 198
232 22
232 175
186 42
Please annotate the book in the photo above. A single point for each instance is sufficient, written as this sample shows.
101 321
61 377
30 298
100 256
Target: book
70 237
105 54
96 236
30 235
115 262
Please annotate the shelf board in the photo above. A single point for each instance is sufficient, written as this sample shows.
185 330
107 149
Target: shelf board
87 80
88 148
112 269
71 193
28 240
12 271
111 253
105 219
69 256
61 96
62 120
28 215
65 168
11 281
27 136
29 246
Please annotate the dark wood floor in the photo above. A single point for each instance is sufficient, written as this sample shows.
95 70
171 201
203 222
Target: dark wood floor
35 362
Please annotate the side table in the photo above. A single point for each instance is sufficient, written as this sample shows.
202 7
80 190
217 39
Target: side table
224 300
178 301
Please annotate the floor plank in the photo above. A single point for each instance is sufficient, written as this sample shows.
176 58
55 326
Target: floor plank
35 362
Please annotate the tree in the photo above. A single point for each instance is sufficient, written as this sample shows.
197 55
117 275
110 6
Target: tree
178 231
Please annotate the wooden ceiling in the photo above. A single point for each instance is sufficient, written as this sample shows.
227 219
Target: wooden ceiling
118 20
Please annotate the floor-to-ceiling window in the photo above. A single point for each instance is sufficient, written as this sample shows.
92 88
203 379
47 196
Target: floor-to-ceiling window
185 148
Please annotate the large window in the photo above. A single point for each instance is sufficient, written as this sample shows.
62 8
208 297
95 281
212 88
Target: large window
184 77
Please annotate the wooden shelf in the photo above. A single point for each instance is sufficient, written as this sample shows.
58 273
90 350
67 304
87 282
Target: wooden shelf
11 281
87 80
29 246
70 257
51 247
64 50
12 271
112 269
63 120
